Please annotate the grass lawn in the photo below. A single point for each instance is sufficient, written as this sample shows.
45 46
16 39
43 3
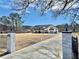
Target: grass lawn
25 39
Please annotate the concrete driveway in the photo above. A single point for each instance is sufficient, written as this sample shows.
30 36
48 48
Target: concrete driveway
49 49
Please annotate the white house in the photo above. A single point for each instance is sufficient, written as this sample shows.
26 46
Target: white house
51 29
45 29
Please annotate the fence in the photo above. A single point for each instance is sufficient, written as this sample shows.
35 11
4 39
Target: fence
7 43
75 47
69 44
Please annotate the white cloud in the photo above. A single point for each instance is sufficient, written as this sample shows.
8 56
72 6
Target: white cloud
20 12
32 5
5 6
76 5
58 6
73 5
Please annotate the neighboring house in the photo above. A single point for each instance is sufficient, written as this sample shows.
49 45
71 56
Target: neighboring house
27 29
51 29
44 29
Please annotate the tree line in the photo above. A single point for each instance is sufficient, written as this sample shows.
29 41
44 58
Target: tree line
11 22
69 27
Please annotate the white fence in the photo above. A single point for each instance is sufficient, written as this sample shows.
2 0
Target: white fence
70 46
65 45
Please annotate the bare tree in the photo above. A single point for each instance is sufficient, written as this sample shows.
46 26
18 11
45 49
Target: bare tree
55 5
58 7
74 19
15 20
4 21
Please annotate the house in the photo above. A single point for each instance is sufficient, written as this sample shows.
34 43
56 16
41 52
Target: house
44 29
51 29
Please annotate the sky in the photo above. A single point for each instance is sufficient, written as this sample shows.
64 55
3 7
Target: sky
32 16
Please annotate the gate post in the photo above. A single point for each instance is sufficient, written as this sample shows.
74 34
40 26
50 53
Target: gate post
11 42
75 47
67 45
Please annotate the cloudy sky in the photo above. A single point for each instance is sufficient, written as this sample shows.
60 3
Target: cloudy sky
33 17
